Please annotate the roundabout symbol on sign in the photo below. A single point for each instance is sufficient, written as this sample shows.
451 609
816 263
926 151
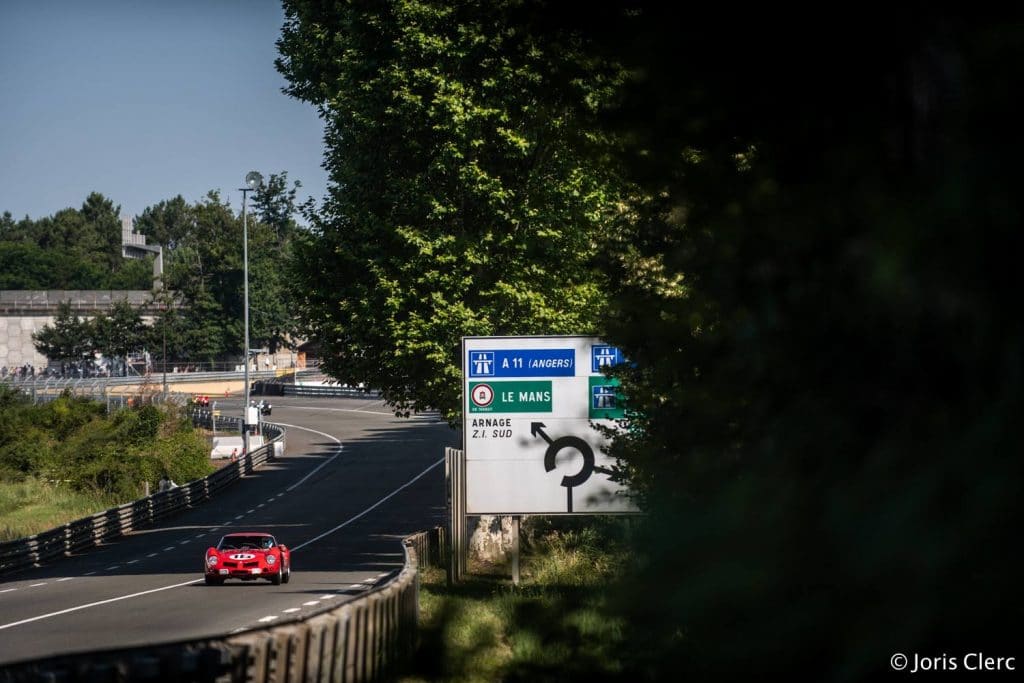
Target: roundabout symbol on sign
482 395
575 443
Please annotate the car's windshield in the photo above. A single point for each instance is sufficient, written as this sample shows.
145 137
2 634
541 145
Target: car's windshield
245 542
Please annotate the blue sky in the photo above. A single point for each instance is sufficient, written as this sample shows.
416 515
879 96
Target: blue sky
145 100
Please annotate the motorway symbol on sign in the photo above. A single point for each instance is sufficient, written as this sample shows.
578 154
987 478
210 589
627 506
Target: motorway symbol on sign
605 400
481 363
561 443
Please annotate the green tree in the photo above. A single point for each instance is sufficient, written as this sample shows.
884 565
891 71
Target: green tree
68 338
120 332
462 199
73 249
815 286
168 223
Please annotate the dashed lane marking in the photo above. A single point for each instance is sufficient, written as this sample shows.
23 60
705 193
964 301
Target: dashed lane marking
310 603
291 609
37 585
66 578
8 590
322 465
372 507
266 619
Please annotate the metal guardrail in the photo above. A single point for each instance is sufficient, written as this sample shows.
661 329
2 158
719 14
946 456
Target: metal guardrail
88 532
327 390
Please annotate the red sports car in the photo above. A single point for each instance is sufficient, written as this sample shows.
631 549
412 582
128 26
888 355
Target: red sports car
248 556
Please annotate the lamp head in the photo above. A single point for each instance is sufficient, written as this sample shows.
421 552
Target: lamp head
254 180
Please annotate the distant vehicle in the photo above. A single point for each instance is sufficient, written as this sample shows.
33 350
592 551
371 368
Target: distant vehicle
265 408
248 556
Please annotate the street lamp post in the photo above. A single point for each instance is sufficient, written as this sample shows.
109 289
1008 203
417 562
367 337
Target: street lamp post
254 181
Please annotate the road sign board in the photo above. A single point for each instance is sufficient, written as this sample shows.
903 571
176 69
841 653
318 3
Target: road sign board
530 444
522 363
510 397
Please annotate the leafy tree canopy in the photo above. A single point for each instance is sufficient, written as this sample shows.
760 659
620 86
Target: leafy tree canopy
73 249
462 201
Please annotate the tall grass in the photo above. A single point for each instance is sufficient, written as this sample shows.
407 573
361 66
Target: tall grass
553 626
30 506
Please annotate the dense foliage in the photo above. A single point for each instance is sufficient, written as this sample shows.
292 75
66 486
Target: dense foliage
462 200
73 249
73 442
808 239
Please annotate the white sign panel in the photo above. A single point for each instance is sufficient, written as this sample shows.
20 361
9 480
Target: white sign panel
529 406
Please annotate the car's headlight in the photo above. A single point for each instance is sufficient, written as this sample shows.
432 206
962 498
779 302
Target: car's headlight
271 559
211 560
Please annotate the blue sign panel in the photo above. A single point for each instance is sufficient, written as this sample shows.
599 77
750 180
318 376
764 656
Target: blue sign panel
524 363
604 357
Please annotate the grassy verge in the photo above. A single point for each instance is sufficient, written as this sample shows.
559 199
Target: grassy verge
553 626
31 506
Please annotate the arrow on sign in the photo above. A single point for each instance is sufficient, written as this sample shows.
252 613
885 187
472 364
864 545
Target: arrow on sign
535 429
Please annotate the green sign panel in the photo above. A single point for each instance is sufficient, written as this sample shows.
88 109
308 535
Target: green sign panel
510 397
605 399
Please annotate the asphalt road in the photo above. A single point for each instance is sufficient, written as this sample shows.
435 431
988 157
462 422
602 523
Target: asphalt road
353 482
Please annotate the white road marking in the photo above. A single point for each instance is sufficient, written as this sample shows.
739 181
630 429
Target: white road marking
266 619
110 569
357 585
66 578
261 505
170 547
94 604
323 464
291 609
131 561
249 512
89 573
37 585
183 542
239 516
327 597
151 555
311 603
375 505
8 590
239 630
199 536
340 410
